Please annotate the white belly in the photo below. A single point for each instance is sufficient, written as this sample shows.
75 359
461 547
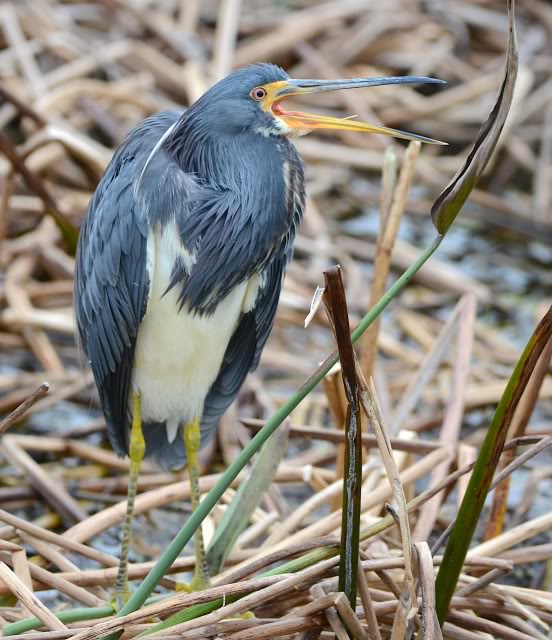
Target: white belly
178 355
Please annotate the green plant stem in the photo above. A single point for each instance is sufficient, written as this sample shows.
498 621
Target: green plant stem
67 617
485 467
172 552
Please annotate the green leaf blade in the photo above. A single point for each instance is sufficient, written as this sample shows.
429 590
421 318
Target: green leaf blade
485 467
247 499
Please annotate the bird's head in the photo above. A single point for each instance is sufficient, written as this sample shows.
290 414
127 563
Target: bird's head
252 98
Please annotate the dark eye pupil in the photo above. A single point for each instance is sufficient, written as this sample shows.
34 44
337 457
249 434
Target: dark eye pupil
259 94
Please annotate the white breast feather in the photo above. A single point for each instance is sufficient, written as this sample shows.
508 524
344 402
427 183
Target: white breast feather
178 355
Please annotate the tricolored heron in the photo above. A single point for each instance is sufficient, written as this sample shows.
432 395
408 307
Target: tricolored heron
181 259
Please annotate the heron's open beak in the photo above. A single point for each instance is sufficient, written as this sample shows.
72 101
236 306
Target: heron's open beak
278 91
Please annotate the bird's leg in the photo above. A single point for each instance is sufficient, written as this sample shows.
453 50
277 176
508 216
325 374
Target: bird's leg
192 440
137 449
201 579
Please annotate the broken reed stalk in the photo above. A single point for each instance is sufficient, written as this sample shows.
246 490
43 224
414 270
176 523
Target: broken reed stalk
393 204
20 411
352 471
370 405
485 467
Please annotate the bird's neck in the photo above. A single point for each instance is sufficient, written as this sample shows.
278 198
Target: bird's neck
264 175
224 160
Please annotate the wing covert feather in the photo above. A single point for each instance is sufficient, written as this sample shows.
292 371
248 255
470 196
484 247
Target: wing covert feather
245 348
111 279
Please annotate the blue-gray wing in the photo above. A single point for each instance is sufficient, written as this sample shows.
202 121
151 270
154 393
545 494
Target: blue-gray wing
111 280
245 347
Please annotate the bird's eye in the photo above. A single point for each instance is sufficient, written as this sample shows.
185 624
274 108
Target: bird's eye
258 93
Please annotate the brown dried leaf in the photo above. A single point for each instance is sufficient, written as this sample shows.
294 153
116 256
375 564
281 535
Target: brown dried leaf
452 199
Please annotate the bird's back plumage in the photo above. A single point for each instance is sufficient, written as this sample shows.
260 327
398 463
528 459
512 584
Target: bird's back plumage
232 239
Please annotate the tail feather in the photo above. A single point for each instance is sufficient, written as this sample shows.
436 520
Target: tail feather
168 455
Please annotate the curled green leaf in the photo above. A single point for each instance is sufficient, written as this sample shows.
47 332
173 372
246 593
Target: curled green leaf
452 199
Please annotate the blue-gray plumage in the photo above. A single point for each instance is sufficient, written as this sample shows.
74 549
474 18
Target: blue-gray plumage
205 183
180 263
194 219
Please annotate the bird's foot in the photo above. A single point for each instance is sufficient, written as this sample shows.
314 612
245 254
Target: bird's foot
248 615
198 583
120 597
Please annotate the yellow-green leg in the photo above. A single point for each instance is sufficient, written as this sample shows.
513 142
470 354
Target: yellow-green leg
192 440
201 579
137 449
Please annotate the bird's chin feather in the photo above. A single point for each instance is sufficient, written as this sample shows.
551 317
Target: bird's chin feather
281 128
287 131
297 133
